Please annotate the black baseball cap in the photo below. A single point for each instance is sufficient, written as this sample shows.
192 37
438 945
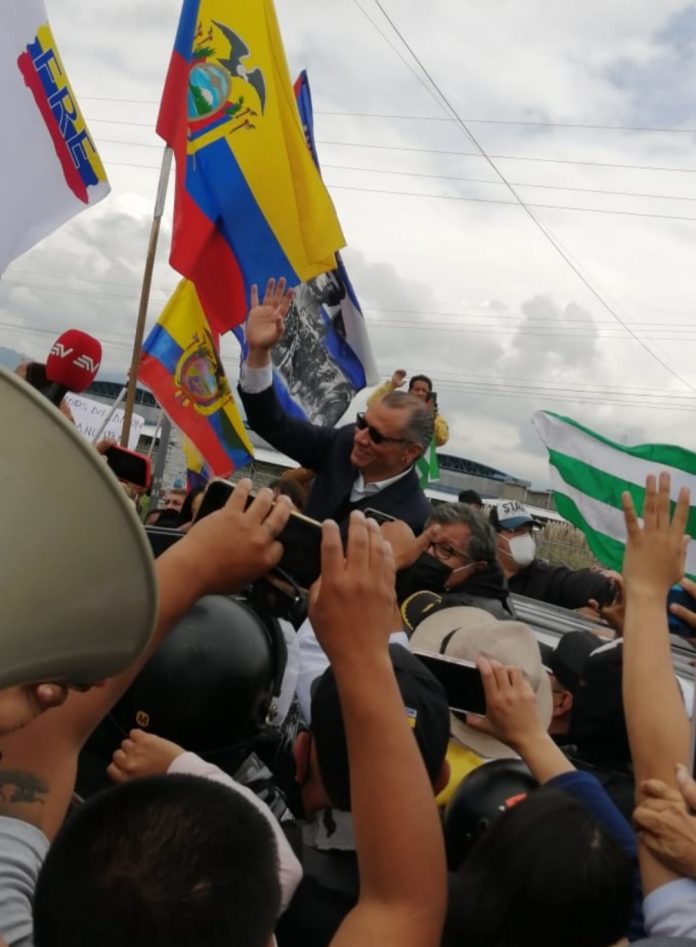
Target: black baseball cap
425 704
568 659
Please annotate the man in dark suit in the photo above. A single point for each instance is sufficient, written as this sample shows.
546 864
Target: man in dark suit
359 466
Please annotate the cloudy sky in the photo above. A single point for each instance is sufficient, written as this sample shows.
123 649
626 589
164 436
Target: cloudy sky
587 110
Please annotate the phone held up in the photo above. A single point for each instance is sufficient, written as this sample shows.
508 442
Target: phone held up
461 681
677 626
129 466
301 538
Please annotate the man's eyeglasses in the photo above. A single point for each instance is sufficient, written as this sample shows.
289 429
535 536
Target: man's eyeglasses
444 553
376 436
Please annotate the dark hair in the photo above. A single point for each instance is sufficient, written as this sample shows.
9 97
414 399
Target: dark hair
167 518
169 860
471 496
545 874
186 514
421 425
424 378
421 693
36 376
292 489
481 546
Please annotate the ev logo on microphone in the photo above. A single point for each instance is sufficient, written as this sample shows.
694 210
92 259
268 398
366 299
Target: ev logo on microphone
86 362
62 351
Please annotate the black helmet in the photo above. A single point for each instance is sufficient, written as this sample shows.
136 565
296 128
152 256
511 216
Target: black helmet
210 684
479 800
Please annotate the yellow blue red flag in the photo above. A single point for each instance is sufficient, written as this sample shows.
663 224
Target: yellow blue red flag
197 472
49 166
250 202
180 364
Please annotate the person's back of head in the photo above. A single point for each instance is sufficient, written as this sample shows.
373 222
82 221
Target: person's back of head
169 861
545 874
425 703
472 498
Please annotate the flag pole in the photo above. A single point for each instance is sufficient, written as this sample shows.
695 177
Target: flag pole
112 411
145 293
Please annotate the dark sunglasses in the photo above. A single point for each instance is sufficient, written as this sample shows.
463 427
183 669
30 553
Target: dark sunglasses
376 436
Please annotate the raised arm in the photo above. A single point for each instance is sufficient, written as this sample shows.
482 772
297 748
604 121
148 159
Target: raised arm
219 555
657 723
398 836
304 442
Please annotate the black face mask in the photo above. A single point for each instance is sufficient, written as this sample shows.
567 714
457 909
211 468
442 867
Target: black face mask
426 574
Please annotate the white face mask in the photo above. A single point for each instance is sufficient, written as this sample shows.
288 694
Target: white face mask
522 549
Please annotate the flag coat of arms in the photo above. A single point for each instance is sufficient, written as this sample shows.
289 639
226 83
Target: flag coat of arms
249 201
50 166
589 473
181 366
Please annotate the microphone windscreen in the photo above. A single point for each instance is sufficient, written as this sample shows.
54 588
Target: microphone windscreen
74 360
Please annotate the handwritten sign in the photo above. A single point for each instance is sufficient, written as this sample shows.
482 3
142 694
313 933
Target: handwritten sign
89 416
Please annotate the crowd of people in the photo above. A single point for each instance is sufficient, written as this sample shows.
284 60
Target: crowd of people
312 781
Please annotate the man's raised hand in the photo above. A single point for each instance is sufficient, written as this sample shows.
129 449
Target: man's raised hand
266 320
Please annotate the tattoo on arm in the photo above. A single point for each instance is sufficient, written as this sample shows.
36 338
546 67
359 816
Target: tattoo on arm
20 787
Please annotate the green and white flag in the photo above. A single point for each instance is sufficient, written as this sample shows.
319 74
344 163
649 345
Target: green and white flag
427 466
589 473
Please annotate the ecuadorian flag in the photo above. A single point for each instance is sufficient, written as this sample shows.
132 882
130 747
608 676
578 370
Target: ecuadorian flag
181 366
250 202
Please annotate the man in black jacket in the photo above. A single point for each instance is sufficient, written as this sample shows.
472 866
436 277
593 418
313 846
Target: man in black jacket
358 466
459 566
527 575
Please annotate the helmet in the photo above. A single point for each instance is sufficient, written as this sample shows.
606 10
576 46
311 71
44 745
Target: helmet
479 800
210 684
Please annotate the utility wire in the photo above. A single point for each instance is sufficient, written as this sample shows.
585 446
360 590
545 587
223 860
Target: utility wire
463 154
491 200
536 158
437 118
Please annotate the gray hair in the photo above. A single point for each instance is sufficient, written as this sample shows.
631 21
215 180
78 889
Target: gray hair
482 541
420 425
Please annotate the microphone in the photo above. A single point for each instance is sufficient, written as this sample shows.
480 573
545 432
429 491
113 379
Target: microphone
72 365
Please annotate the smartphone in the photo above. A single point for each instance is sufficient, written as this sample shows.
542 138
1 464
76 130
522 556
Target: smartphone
301 541
161 538
677 626
461 681
432 398
217 493
378 516
129 466
301 538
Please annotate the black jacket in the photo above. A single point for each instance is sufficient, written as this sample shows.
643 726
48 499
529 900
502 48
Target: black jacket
487 590
562 586
327 451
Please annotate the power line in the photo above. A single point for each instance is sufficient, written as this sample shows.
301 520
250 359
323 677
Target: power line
436 118
540 226
473 154
439 151
487 324
490 200
522 122
447 177
546 187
